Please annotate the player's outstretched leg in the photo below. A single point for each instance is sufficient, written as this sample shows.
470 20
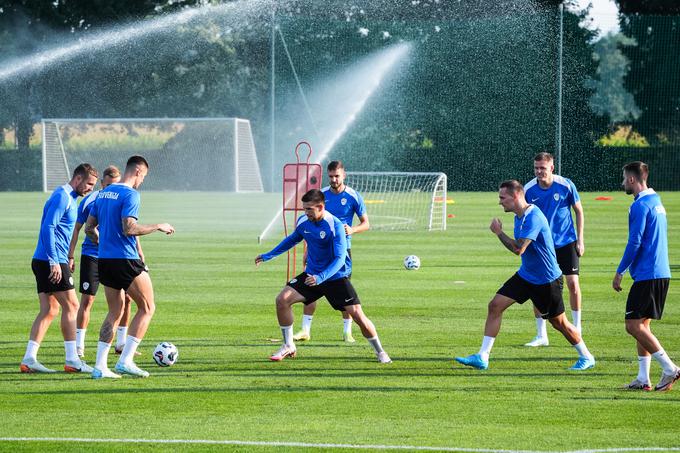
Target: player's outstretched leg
115 300
585 358
640 329
141 291
284 313
368 331
492 327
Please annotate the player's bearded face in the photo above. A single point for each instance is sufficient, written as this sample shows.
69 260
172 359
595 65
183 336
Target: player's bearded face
336 178
86 185
627 184
506 200
313 211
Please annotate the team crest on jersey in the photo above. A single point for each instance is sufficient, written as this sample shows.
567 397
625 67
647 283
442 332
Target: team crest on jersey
343 201
86 285
556 197
322 234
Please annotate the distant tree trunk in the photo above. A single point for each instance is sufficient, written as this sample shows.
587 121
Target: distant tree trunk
24 125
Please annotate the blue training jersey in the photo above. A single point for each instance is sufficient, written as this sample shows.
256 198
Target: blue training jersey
114 204
344 205
646 253
539 263
326 247
89 248
56 225
555 202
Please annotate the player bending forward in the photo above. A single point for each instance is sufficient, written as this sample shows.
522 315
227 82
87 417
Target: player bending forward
326 274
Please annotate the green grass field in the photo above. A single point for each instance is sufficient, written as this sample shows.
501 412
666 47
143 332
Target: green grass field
219 310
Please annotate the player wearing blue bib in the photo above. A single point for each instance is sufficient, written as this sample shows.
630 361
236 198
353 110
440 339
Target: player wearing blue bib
112 224
556 197
344 203
538 278
89 269
326 274
53 275
646 256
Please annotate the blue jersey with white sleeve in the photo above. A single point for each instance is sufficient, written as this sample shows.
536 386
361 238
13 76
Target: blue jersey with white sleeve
344 205
539 263
114 204
89 248
56 225
555 202
646 253
326 247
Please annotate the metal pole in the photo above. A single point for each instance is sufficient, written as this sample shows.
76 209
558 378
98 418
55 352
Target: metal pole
272 136
558 133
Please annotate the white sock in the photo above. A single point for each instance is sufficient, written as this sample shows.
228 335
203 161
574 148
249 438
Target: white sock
287 332
665 361
347 326
644 363
576 319
71 353
487 344
121 336
541 328
129 349
102 355
582 350
375 342
307 323
80 338
31 351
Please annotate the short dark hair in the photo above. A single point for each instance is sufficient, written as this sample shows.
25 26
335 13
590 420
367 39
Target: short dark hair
134 161
85 170
335 165
543 155
638 169
513 186
314 196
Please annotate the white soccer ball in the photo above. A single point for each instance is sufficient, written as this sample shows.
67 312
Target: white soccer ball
165 354
412 262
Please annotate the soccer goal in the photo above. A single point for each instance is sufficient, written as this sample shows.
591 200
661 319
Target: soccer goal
402 200
207 154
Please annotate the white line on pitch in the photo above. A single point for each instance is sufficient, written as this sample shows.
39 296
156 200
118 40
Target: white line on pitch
312 445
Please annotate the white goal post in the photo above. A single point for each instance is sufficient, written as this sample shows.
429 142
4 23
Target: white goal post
208 154
402 200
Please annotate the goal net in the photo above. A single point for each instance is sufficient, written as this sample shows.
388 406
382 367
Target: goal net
402 200
208 154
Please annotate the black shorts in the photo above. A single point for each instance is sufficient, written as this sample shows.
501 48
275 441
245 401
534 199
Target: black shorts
340 293
118 273
567 259
647 298
89 275
41 270
546 298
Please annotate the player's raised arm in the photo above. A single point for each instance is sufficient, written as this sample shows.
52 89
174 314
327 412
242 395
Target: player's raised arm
132 228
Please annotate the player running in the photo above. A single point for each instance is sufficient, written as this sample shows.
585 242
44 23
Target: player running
343 202
112 224
53 275
326 274
538 278
556 196
89 274
646 256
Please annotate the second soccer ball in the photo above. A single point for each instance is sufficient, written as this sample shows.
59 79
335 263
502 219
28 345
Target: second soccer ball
165 354
412 262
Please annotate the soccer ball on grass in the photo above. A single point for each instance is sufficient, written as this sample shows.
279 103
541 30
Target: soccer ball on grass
165 354
412 262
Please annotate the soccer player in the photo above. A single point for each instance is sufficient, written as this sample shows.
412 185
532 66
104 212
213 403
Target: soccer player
343 202
112 224
646 256
326 274
52 274
89 275
538 278
556 196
